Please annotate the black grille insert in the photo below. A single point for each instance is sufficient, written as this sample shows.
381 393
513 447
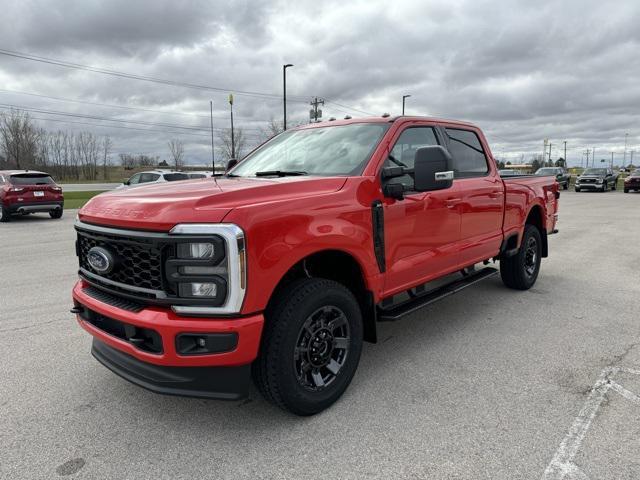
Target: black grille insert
139 261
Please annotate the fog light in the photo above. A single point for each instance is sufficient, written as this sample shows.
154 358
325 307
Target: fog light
196 250
209 290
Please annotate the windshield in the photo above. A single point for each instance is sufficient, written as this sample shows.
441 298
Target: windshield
595 171
335 150
31 179
547 171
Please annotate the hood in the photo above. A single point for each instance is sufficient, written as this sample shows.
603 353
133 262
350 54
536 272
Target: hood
161 206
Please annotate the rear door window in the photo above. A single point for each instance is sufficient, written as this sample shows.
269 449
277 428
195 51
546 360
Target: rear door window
172 177
469 159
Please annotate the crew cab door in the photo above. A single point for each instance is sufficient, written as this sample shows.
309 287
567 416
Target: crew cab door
421 230
481 195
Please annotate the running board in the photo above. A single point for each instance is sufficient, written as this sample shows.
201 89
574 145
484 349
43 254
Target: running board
394 313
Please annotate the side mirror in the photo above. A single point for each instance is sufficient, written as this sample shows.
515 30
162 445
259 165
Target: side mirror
432 169
232 163
125 181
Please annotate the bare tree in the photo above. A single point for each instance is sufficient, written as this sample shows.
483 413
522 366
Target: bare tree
19 139
239 143
176 148
273 128
107 144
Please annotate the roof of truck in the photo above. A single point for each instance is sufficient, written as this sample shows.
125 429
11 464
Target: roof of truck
383 119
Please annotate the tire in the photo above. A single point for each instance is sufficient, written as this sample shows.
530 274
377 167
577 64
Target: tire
614 185
566 186
301 367
604 187
5 215
520 271
626 190
577 189
57 213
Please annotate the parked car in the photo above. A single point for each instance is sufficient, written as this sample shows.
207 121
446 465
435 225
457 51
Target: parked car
153 176
24 191
510 173
562 176
632 182
203 174
281 271
596 179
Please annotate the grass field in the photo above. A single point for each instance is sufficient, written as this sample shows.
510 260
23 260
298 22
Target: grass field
77 199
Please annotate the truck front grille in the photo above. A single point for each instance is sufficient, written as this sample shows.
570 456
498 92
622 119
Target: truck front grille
138 261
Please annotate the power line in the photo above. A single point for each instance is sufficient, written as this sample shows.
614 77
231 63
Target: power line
133 76
129 128
175 83
95 117
111 105
109 119
86 102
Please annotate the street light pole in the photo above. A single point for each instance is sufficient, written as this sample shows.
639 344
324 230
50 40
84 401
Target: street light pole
626 136
403 99
213 155
284 94
233 139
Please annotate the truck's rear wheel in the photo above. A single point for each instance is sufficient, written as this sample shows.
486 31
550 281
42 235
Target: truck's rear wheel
310 347
520 271
57 213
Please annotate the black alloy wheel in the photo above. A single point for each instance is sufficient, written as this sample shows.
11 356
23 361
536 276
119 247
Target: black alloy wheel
322 348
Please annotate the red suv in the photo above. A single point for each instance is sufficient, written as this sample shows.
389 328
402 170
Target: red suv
24 191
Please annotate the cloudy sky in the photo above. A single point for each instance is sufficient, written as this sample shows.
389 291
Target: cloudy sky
521 70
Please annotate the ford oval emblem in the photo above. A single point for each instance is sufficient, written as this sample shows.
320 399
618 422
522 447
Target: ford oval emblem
100 260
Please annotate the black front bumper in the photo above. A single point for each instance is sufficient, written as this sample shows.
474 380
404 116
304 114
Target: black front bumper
34 207
221 383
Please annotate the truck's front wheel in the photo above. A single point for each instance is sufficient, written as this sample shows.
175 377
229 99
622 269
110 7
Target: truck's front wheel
310 347
520 271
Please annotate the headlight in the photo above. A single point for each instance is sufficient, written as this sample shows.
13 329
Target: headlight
196 250
600 180
207 271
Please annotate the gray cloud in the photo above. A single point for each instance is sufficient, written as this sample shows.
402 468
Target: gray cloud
523 71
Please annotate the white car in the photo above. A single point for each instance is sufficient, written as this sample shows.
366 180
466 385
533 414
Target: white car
200 174
154 176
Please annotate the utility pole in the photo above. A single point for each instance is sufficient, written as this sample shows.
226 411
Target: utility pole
544 149
565 154
404 97
233 139
587 152
315 114
611 159
213 155
284 94
593 157
626 136
550 144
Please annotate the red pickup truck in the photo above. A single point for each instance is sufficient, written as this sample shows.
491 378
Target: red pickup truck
280 269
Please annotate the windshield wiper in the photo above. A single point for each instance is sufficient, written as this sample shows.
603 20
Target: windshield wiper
280 173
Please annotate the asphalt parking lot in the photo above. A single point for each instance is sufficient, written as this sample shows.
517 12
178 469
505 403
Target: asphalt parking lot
491 383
